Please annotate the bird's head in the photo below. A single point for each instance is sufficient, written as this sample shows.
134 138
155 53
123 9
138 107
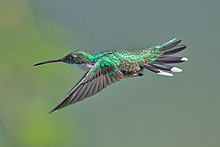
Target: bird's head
76 57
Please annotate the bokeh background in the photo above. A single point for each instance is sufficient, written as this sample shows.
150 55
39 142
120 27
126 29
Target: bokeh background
154 111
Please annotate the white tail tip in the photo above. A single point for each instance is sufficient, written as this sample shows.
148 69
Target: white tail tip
165 73
184 59
176 69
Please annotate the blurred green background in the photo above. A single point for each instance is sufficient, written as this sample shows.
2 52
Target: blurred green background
154 111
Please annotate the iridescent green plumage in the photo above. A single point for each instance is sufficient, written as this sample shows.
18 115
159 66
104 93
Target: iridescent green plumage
105 68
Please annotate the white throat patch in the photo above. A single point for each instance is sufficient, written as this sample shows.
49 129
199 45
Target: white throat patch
83 67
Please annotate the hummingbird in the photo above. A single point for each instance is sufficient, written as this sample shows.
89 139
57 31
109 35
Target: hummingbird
107 67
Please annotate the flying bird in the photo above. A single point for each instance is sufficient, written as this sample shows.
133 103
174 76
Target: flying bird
107 67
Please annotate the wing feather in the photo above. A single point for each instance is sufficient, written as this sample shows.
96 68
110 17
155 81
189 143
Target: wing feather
91 88
103 73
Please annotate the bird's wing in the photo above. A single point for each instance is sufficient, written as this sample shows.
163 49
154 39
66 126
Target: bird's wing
103 73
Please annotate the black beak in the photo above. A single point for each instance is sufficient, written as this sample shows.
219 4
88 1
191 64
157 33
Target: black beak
50 61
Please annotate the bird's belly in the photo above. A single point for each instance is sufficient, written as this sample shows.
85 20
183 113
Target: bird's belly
83 67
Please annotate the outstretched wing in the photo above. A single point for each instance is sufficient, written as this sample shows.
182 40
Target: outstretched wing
103 73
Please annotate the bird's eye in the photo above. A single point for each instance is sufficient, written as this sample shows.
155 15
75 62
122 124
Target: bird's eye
70 57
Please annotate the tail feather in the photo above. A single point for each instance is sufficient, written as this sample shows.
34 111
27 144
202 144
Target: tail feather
156 70
160 64
167 67
170 59
175 49
170 44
